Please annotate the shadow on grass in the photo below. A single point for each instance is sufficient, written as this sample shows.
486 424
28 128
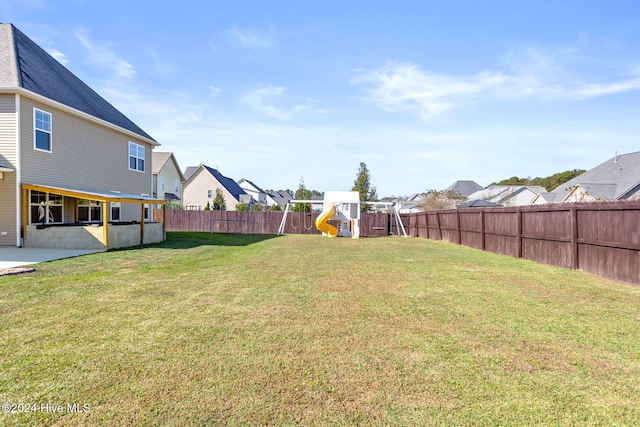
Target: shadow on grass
185 240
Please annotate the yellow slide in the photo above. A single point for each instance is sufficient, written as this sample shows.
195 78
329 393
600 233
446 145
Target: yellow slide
321 222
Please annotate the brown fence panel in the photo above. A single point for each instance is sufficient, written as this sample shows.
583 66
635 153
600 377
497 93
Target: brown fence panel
613 263
601 237
371 224
374 224
433 224
547 236
449 227
472 228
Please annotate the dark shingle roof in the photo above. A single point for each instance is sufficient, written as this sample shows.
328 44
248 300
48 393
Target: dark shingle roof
228 183
281 197
40 73
611 180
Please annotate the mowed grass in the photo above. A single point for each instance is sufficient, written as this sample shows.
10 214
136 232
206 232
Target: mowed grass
303 330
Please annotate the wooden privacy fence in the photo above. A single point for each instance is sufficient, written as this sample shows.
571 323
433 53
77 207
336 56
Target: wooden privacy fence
371 224
601 238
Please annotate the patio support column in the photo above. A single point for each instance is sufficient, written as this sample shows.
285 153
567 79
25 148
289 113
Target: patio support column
141 223
105 224
164 222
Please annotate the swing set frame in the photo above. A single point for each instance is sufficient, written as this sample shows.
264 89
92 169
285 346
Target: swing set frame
394 208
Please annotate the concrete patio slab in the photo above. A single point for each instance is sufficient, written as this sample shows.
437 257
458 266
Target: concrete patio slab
12 257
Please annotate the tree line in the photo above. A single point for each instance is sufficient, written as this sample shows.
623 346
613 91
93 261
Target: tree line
549 183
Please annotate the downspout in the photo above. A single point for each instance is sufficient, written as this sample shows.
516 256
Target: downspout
20 198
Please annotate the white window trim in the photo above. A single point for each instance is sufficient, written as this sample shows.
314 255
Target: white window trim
146 209
137 158
35 131
113 205
46 209
89 204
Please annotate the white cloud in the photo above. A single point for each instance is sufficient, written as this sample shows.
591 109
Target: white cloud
560 75
59 56
250 39
102 54
258 98
404 87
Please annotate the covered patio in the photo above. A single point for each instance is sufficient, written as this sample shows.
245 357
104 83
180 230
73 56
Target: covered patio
71 225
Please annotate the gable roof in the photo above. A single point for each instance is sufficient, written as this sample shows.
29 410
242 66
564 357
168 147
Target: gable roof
464 187
189 171
229 184
611 180
160 158
255 187
27 66
501 194
281 197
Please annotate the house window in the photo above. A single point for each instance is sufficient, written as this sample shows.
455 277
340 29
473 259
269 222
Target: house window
145 209
176 183
42 130
209 194
46 208
89 211
161 183
115 211
136 157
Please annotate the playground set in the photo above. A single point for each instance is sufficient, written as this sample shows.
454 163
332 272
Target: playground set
343 207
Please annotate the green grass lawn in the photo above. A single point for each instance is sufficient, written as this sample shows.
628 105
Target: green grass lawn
303 330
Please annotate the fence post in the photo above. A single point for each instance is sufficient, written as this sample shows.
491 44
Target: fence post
482 227
519 230
458 226
574 238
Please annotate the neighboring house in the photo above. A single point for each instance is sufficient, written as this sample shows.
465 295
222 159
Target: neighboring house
410 204
509 195
167 179
201 183
616 179
67 157
466 188
280 198
257 194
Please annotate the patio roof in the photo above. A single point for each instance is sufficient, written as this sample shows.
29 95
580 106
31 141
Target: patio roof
100 196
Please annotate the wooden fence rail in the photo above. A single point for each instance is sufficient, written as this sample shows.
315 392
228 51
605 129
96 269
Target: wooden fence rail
601 238
371 224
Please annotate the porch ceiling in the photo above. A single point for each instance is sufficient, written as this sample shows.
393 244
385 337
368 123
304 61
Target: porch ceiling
99 196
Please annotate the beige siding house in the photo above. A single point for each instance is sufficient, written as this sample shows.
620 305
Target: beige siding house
71 164
200 187
167 179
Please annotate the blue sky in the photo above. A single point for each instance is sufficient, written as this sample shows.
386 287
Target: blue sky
425 93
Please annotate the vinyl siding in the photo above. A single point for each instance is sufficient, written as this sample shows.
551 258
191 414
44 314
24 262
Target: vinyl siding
8 155
84 156
195 191
170 174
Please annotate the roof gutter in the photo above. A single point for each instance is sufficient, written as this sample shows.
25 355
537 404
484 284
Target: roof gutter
75 112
